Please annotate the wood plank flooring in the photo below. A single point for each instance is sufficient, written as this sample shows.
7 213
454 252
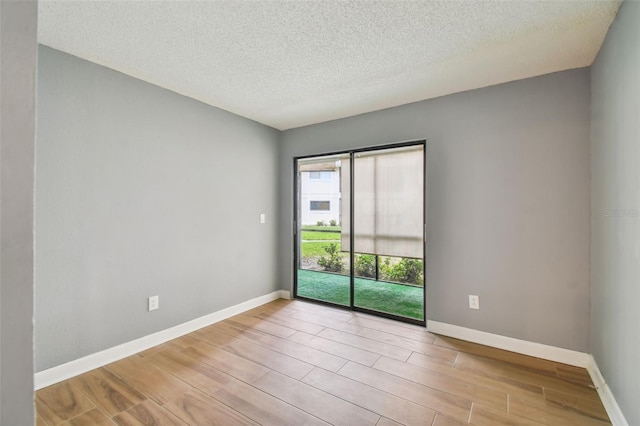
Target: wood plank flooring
298 363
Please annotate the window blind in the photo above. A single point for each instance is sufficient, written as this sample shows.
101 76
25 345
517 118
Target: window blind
388 202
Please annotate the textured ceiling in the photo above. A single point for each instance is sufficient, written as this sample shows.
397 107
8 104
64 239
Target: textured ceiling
292 63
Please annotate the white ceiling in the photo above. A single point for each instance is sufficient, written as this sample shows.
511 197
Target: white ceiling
292 63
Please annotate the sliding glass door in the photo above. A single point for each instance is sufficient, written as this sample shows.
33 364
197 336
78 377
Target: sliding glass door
360 230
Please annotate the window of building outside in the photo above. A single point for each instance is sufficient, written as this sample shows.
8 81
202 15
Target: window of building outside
320 175
320 206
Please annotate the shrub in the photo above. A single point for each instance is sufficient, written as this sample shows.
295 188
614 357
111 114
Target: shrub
407 270
365 265
320 223
333 262
332 222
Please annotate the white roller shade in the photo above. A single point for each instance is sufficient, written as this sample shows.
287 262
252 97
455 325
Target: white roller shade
388 202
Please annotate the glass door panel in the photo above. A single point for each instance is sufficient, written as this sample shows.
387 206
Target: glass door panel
323 261
388 227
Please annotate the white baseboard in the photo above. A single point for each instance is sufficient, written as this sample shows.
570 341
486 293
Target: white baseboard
607 398
90 362
285 294
538 350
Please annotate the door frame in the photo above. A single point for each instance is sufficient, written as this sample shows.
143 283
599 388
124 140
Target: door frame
296 241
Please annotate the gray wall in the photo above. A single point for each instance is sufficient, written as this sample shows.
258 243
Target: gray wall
141 192
615 210
17 132
508 202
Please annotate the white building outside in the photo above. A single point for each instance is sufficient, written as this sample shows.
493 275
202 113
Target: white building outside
320 195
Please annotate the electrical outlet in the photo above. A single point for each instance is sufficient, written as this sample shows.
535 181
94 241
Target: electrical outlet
263 218
154 303
474 302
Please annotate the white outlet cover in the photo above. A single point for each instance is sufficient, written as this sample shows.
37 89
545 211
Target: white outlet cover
474 302
262 218
154 303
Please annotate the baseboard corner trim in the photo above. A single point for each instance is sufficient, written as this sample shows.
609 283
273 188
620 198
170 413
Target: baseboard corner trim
525 347
606 396
285 294
90 362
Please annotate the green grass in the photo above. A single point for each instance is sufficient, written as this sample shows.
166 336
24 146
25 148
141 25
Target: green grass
316 248
310 235
396 299
322 228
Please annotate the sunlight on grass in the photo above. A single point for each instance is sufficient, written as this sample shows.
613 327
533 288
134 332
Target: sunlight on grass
320 228
311 235
317 248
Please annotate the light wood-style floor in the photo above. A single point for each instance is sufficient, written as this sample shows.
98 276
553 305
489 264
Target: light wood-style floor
297 363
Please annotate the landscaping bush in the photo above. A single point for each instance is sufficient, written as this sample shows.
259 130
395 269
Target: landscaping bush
333 262
320 223
332 222
365 265
407 270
